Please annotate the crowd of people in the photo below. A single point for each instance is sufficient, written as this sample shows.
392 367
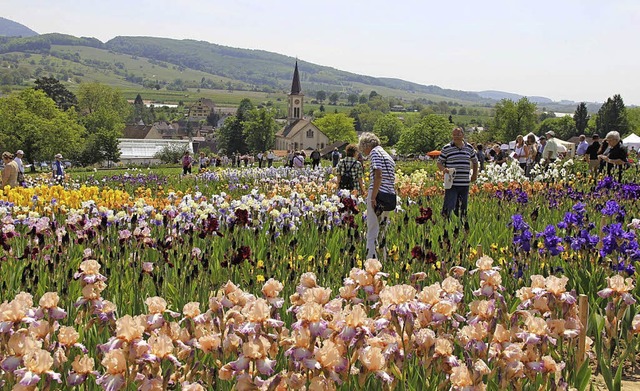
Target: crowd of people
459 161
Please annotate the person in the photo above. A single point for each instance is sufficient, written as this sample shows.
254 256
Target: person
18 160
270 157
298 160
532 157
290 155
202 161
499 156
592 154
542 142
349 171
582 146
260 156
481 157
58 168
335 157
382 180
10 171
550 152
315 158
187 162
521 152
458 158
616 156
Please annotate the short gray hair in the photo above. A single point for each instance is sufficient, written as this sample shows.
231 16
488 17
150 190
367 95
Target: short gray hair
613 135
368 140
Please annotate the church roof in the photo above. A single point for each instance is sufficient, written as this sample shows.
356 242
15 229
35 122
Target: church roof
295 84
284 132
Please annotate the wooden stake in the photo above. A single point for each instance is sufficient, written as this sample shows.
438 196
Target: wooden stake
479 251
583 313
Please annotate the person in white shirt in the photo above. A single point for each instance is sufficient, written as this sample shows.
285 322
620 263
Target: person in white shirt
270 157
550 152
18 160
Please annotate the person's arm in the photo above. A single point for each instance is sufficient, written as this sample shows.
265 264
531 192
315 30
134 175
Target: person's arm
377 181
5 176
474 173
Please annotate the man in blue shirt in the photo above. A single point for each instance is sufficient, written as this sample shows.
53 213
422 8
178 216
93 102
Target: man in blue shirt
58 169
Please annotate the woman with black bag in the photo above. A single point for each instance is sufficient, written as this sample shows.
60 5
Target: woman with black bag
382 195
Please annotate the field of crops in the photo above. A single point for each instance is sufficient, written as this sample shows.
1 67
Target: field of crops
255 279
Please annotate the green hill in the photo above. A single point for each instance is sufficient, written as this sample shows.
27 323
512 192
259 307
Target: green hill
171 70
9 28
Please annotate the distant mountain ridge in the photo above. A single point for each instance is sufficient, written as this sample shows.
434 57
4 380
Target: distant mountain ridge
9 28
499 95
250 69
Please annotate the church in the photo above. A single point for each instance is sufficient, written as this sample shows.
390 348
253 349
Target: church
299 133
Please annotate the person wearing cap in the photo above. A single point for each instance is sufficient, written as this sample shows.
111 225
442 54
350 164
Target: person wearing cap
550 152
10 171
18 160
58 168
592 155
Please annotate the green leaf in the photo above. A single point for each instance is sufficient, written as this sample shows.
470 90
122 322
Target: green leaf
583 377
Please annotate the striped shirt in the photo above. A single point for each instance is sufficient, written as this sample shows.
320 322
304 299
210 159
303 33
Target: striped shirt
459 158
381 160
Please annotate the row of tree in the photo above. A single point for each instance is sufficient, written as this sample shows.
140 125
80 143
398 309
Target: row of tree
519 118
49 119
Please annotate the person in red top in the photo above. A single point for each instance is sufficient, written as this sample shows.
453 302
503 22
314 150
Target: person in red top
187 162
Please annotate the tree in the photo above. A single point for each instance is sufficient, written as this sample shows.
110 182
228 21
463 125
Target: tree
563 127
612 116
512 119
31 121
633 116
388 128
171 153
104 112
337 127
141 112
260 130
363 99
581 117
64 98
431 133
244 108
333 98
321 95
372 94
231 137
352 99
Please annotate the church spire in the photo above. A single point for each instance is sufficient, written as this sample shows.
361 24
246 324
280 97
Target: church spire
295 85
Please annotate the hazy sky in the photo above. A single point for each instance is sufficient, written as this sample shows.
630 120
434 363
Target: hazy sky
563 49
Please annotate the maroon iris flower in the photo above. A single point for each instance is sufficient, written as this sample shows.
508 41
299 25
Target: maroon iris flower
425 215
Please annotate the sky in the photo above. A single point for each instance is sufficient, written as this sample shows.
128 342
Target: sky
579 50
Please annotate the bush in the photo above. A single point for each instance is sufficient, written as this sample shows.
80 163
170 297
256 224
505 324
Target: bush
170 153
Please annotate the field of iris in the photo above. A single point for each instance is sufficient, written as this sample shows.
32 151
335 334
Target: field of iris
256 279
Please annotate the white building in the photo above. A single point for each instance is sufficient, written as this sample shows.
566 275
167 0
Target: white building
142 151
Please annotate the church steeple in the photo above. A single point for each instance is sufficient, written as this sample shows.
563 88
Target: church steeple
296 98
295 84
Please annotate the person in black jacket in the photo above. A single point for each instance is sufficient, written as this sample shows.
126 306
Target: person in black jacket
592 155
616 155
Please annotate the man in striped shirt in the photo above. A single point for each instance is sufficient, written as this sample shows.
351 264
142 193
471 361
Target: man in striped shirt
461 157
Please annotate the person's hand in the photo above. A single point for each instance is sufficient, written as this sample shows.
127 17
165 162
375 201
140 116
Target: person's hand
373 203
